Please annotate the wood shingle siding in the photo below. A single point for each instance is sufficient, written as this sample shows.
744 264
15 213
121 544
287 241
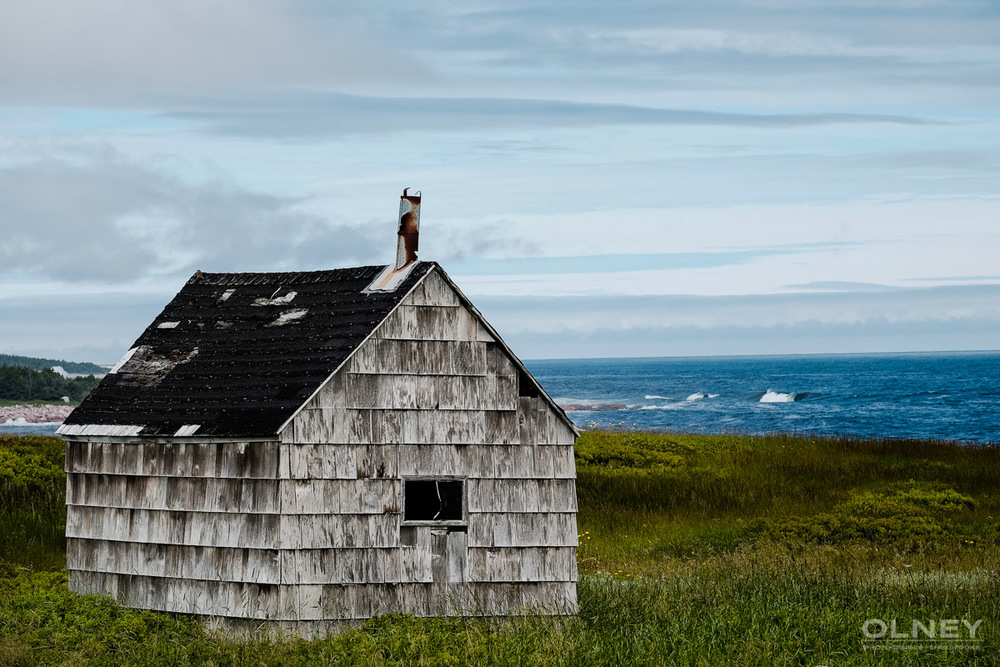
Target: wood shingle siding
304 524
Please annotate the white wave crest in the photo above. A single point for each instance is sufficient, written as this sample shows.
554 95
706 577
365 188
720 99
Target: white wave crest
698 397
653 397
777 397
668 406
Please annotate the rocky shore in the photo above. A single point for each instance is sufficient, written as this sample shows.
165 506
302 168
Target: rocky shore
34 414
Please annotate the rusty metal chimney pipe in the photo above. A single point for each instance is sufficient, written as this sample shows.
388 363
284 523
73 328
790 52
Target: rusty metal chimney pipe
409 229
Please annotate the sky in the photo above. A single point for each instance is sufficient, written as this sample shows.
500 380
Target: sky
602 179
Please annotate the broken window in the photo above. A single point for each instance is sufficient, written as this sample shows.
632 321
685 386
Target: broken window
433 500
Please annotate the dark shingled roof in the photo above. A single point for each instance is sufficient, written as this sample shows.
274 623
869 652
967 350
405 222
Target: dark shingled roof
241 365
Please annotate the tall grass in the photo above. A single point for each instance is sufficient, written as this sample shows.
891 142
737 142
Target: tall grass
694 551
715 493
32 501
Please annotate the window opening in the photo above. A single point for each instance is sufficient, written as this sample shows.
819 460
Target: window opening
433 500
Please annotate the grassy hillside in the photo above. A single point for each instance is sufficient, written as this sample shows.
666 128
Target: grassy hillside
694 550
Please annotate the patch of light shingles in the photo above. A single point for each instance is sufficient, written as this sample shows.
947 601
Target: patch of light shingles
274 301
289 316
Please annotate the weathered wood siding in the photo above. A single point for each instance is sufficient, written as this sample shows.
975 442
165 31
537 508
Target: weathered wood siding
309 527
176 526
431 393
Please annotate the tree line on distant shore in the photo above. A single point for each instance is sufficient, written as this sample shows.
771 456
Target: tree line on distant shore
39 364
21 383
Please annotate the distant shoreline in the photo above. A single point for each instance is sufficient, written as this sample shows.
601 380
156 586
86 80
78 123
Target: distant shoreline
33 414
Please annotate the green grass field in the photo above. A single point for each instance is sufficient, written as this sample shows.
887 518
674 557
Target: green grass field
694 550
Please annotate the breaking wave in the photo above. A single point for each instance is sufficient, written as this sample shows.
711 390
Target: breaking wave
653 397
778 397
698 397
771 396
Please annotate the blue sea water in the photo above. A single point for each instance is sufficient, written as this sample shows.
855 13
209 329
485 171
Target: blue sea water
945 396
15 428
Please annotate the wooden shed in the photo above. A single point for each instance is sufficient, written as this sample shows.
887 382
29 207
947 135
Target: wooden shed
307 448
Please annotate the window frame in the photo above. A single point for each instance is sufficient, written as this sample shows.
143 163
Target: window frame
441 523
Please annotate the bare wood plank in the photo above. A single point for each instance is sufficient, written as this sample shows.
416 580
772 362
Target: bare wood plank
388 427
415 599
433 291
346 458
559 432
365 358
456 556
557 495
180 561
339 531
416 564
473 461
540 420
483 334
437 322
437 392
396 392
522 495
545 460
498 363
332 394
172 459
207 494
525 422
523 530
418 459
187 596
415 356
360 390
564 463
430 357
506 564
346 566
401 324
439 555
322 496
378 461
469 358
501 427
308 601
317 425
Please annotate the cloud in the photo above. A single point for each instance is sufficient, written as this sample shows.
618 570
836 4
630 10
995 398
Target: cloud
132 49
582 264
82 327
330 114
90 215
840 286
958 160
801 338
618 315
108 220
818 322
100 326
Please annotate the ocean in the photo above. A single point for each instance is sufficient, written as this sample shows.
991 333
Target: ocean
943 395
